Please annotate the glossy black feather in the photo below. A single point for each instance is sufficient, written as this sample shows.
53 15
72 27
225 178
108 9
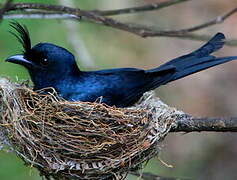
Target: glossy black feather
22 35
53 66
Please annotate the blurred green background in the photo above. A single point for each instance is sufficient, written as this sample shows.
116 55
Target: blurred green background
209 93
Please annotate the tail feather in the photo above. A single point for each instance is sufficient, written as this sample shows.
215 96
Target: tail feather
191 63
211 46
201 66
214 44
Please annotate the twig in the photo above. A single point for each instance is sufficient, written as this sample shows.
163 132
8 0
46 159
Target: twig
192 124
148 7
39 15
51 15
43 15
142 31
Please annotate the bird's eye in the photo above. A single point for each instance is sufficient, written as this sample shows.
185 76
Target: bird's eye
44 62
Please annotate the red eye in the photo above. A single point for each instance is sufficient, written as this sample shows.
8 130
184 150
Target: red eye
44 62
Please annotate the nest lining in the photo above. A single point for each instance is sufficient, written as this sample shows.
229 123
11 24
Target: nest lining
81 140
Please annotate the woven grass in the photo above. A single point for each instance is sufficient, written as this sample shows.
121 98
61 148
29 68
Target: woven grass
81 140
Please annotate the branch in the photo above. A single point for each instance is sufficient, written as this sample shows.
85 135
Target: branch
184 122
192 124
39 15
140 30
148 7
51 15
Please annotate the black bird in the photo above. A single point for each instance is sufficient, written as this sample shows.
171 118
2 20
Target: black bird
53 66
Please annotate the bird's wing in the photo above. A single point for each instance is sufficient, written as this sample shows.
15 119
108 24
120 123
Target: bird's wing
130 83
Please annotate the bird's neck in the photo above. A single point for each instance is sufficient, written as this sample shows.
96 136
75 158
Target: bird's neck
48 79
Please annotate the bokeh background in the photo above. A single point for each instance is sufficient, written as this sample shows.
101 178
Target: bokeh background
209 93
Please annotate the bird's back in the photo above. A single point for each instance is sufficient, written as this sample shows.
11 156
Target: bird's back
120 87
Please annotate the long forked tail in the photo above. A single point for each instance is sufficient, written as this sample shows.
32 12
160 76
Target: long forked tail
194 62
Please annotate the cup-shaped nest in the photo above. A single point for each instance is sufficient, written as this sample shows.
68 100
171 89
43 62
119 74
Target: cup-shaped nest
81 140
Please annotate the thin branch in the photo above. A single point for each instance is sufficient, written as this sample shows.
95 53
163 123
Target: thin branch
148 7
192 124
39 15
52 15
142 31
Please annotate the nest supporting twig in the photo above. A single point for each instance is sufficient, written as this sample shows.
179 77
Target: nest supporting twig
80 140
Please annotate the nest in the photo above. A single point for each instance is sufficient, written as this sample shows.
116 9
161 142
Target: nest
81 140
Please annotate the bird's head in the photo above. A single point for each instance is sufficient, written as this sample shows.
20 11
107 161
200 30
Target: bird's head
43 59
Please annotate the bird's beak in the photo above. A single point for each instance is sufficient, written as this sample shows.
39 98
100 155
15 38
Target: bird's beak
19 59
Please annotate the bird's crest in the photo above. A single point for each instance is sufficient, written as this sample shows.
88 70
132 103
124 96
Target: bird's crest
22 34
